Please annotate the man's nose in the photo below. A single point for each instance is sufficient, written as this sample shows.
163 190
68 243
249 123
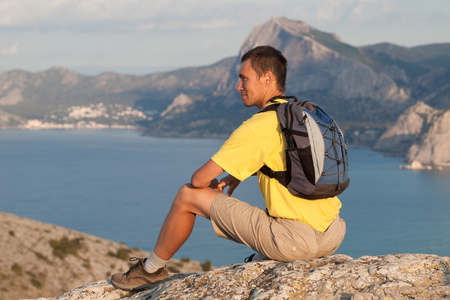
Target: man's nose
239 86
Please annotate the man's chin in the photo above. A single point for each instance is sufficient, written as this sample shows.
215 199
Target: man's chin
245 102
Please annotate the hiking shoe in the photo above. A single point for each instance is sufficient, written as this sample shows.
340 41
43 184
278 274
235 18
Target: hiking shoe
137 277
255 256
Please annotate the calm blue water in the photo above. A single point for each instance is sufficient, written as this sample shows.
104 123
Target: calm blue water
119 185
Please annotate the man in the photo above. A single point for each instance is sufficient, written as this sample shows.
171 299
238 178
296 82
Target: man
291 228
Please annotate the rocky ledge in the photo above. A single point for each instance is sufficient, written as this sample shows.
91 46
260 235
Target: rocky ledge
396 276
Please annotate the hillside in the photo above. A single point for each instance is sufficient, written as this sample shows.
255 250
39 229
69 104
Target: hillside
44 260
424 58
52 95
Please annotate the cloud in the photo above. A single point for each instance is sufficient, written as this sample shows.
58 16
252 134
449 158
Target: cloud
38 34
10 50
215 24
22 13
363 12
117 14
140 15
355 11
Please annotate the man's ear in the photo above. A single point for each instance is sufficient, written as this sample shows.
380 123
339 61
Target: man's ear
269 77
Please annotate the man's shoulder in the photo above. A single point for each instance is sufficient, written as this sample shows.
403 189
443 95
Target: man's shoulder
262 118
260 125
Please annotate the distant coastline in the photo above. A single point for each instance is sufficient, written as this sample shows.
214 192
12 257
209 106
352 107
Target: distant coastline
35 124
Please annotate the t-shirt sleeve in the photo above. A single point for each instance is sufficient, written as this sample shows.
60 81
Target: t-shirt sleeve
242 154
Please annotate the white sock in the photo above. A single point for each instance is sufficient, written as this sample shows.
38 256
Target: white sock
153 263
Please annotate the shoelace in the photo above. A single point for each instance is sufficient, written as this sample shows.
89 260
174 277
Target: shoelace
249 258
135 266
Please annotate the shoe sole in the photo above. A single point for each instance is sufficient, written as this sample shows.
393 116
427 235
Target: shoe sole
137 287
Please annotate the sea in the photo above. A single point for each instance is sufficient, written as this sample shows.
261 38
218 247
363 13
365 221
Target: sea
119 185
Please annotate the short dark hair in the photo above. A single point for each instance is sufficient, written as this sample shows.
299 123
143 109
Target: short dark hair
267 58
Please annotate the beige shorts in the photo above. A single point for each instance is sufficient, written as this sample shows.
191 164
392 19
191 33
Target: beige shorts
277 238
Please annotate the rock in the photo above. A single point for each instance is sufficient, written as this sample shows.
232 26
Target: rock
396 276
433 149
408 127
422 134
180 105
416 165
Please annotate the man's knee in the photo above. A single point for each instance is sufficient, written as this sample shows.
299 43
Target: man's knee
184 193
195 200
187 195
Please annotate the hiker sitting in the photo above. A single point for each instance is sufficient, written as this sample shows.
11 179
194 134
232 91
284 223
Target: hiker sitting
291 228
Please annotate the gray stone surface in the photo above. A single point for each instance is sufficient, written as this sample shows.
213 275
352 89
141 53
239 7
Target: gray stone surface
397 276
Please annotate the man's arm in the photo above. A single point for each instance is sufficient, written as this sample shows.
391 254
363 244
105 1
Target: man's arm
203 177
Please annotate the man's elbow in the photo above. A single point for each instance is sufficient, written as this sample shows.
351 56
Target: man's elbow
196 181
203 177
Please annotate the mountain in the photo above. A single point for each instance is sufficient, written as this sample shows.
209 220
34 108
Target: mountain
424 58
7 120
53 94
365 88
40 259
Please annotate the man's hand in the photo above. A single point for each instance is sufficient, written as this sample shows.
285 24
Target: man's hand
230 181
214 183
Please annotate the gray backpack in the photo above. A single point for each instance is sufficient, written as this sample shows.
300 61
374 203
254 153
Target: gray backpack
316 151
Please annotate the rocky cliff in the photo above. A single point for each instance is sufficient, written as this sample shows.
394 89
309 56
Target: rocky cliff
39 259
422 134
399 276
433 149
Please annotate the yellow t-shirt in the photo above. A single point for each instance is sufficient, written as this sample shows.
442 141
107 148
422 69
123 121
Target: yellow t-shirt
254 144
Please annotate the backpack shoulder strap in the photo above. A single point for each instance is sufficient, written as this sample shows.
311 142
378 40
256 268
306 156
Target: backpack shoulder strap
280 176
270 107
285 97
276 104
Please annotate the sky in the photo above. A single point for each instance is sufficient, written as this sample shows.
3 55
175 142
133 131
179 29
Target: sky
146 36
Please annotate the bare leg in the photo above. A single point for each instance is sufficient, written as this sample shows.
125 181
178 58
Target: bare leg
179 223
188 203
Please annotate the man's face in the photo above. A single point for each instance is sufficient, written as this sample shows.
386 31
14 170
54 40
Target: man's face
251 86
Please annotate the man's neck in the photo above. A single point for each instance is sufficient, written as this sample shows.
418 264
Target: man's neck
274 96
